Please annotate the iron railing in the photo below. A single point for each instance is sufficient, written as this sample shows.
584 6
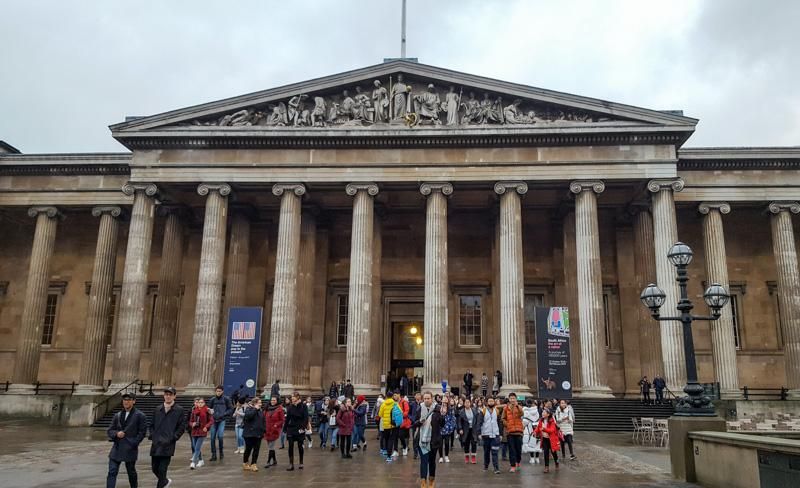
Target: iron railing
765 393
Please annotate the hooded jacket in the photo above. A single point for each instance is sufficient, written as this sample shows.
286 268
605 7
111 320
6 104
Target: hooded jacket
385 413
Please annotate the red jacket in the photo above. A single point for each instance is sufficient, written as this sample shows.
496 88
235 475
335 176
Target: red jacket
405 408
274 420
200 419
345 420
552 432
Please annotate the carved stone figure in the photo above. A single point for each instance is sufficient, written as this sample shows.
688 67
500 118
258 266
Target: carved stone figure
472 109
298 115
451 103
495 115
318 114
399 93
380 100
428 105
513 115
342 112
278 117
486 109
361 105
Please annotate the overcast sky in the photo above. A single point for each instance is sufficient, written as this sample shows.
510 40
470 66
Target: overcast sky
68 69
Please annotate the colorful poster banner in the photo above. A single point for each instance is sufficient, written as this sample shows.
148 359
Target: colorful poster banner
552 352
242 350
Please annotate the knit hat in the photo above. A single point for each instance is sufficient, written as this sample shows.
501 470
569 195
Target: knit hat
360 398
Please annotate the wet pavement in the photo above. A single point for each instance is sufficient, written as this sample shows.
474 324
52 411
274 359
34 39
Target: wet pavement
38 455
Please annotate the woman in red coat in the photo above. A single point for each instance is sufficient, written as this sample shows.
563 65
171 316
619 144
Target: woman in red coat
274 419
547 430
345 420
200 421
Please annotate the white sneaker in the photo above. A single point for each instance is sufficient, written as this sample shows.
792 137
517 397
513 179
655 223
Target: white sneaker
441 460
201 463
169 482
191 465
310 444
447 459
405 452
532 461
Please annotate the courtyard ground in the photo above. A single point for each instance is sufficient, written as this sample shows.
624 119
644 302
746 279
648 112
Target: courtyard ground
38 455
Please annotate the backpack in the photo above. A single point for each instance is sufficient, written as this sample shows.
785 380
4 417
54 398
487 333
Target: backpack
396 416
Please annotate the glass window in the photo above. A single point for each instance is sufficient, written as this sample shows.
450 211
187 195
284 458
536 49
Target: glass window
532 300
341 321
469 320
51 308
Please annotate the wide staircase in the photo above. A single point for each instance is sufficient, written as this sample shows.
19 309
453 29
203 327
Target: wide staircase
147 404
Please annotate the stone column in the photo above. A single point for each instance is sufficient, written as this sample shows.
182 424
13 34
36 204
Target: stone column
128 346
359 302
209 289
167 308
284 297
590 289
437 289
665 235
785 250
29 344
306 306
645 268
93 362
512 288
722 341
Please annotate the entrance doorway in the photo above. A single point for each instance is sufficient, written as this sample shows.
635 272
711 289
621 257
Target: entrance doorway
408 351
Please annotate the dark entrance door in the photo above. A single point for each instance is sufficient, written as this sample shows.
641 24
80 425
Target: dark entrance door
408 350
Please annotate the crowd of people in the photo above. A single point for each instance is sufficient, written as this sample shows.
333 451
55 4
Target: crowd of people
424 425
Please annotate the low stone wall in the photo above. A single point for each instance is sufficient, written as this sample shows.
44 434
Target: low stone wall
731 460
68 410
770 408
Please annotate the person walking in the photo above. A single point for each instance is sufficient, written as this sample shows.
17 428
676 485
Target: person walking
311 411
200 422
348 391
333 430
468 379
322 419
238 426
221 408
413 415
467 422
274 418
127 430
448 427
254 427
295 428
659 383
275 389
644 389
429 426
530 419
484 385
333 391
345 421
547 430
512 423
169 424
565 417
403 385
390 419
360 413
488 424
404 432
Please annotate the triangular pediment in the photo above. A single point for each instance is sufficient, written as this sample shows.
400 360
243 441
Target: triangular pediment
396 96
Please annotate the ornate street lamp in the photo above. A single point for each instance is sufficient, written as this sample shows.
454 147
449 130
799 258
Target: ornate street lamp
694 404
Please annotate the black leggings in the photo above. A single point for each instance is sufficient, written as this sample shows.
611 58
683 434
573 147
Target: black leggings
251 445
345 442
389 438
547 451
470 443
514 449
295 439
567 440
445 447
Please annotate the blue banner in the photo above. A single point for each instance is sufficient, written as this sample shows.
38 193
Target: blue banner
242 350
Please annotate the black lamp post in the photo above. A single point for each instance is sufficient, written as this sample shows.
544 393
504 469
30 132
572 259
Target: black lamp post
694 404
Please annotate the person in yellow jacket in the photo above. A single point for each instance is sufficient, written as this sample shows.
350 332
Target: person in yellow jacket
389 430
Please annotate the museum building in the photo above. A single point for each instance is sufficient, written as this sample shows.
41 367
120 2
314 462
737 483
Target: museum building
400 217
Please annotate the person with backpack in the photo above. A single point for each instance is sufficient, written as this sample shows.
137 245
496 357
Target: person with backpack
274 418
448 427
565 417
548 430
488 424
405 426
200 422
429 426
466 430
512 423
391 418
221 408
254 428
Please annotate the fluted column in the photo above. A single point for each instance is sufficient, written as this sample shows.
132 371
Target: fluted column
359 303
284 301
722 341
128 346
437 292
167 308
306 271
29 343
645 270
512 288
590 289
209 289
93 361
665 235
785 250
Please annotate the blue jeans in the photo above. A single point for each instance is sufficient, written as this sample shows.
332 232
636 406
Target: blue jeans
490 448
113 470
427 465
333 432
239 431
358 434
323 433
283 439
216 433
197 445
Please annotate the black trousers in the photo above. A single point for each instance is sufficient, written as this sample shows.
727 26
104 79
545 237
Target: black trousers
402 434
345 443
567 441
251 446
547 452
514 449
390 440
160 465
296 439
113 471
659 395
470 442
646 396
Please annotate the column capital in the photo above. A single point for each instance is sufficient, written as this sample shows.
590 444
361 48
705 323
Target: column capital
443 187
51 212
579 186
706 207
111 210
299 189
519 186
658 184
778 207
224 189
353 188
130 188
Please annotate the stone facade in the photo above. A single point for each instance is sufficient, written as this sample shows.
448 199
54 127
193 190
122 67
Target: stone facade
455 227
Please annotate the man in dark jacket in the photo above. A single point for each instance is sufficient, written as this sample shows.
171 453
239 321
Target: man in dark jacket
221 407
128 429
659 384
468 379
275 390
348 391
169 424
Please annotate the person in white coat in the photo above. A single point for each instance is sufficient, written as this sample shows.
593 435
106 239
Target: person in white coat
530 418
565 418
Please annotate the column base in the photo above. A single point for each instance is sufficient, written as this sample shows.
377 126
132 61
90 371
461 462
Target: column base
201 390
366 389
22 389
793 394
519 389
595 392
89 390
434 388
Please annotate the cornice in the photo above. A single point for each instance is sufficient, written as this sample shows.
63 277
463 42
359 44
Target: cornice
732 158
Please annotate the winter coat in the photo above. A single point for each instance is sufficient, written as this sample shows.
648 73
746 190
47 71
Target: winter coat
345 420
552 432
333 392
238 415
296 419
463 423
166 429
385 413
200 419
254 423
437 422
406 409
274 419
348 391
127 448
565 419
512 419
485 383
413 413
468 378
659 383
530 419
275 391
481 419
222 407
360 414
